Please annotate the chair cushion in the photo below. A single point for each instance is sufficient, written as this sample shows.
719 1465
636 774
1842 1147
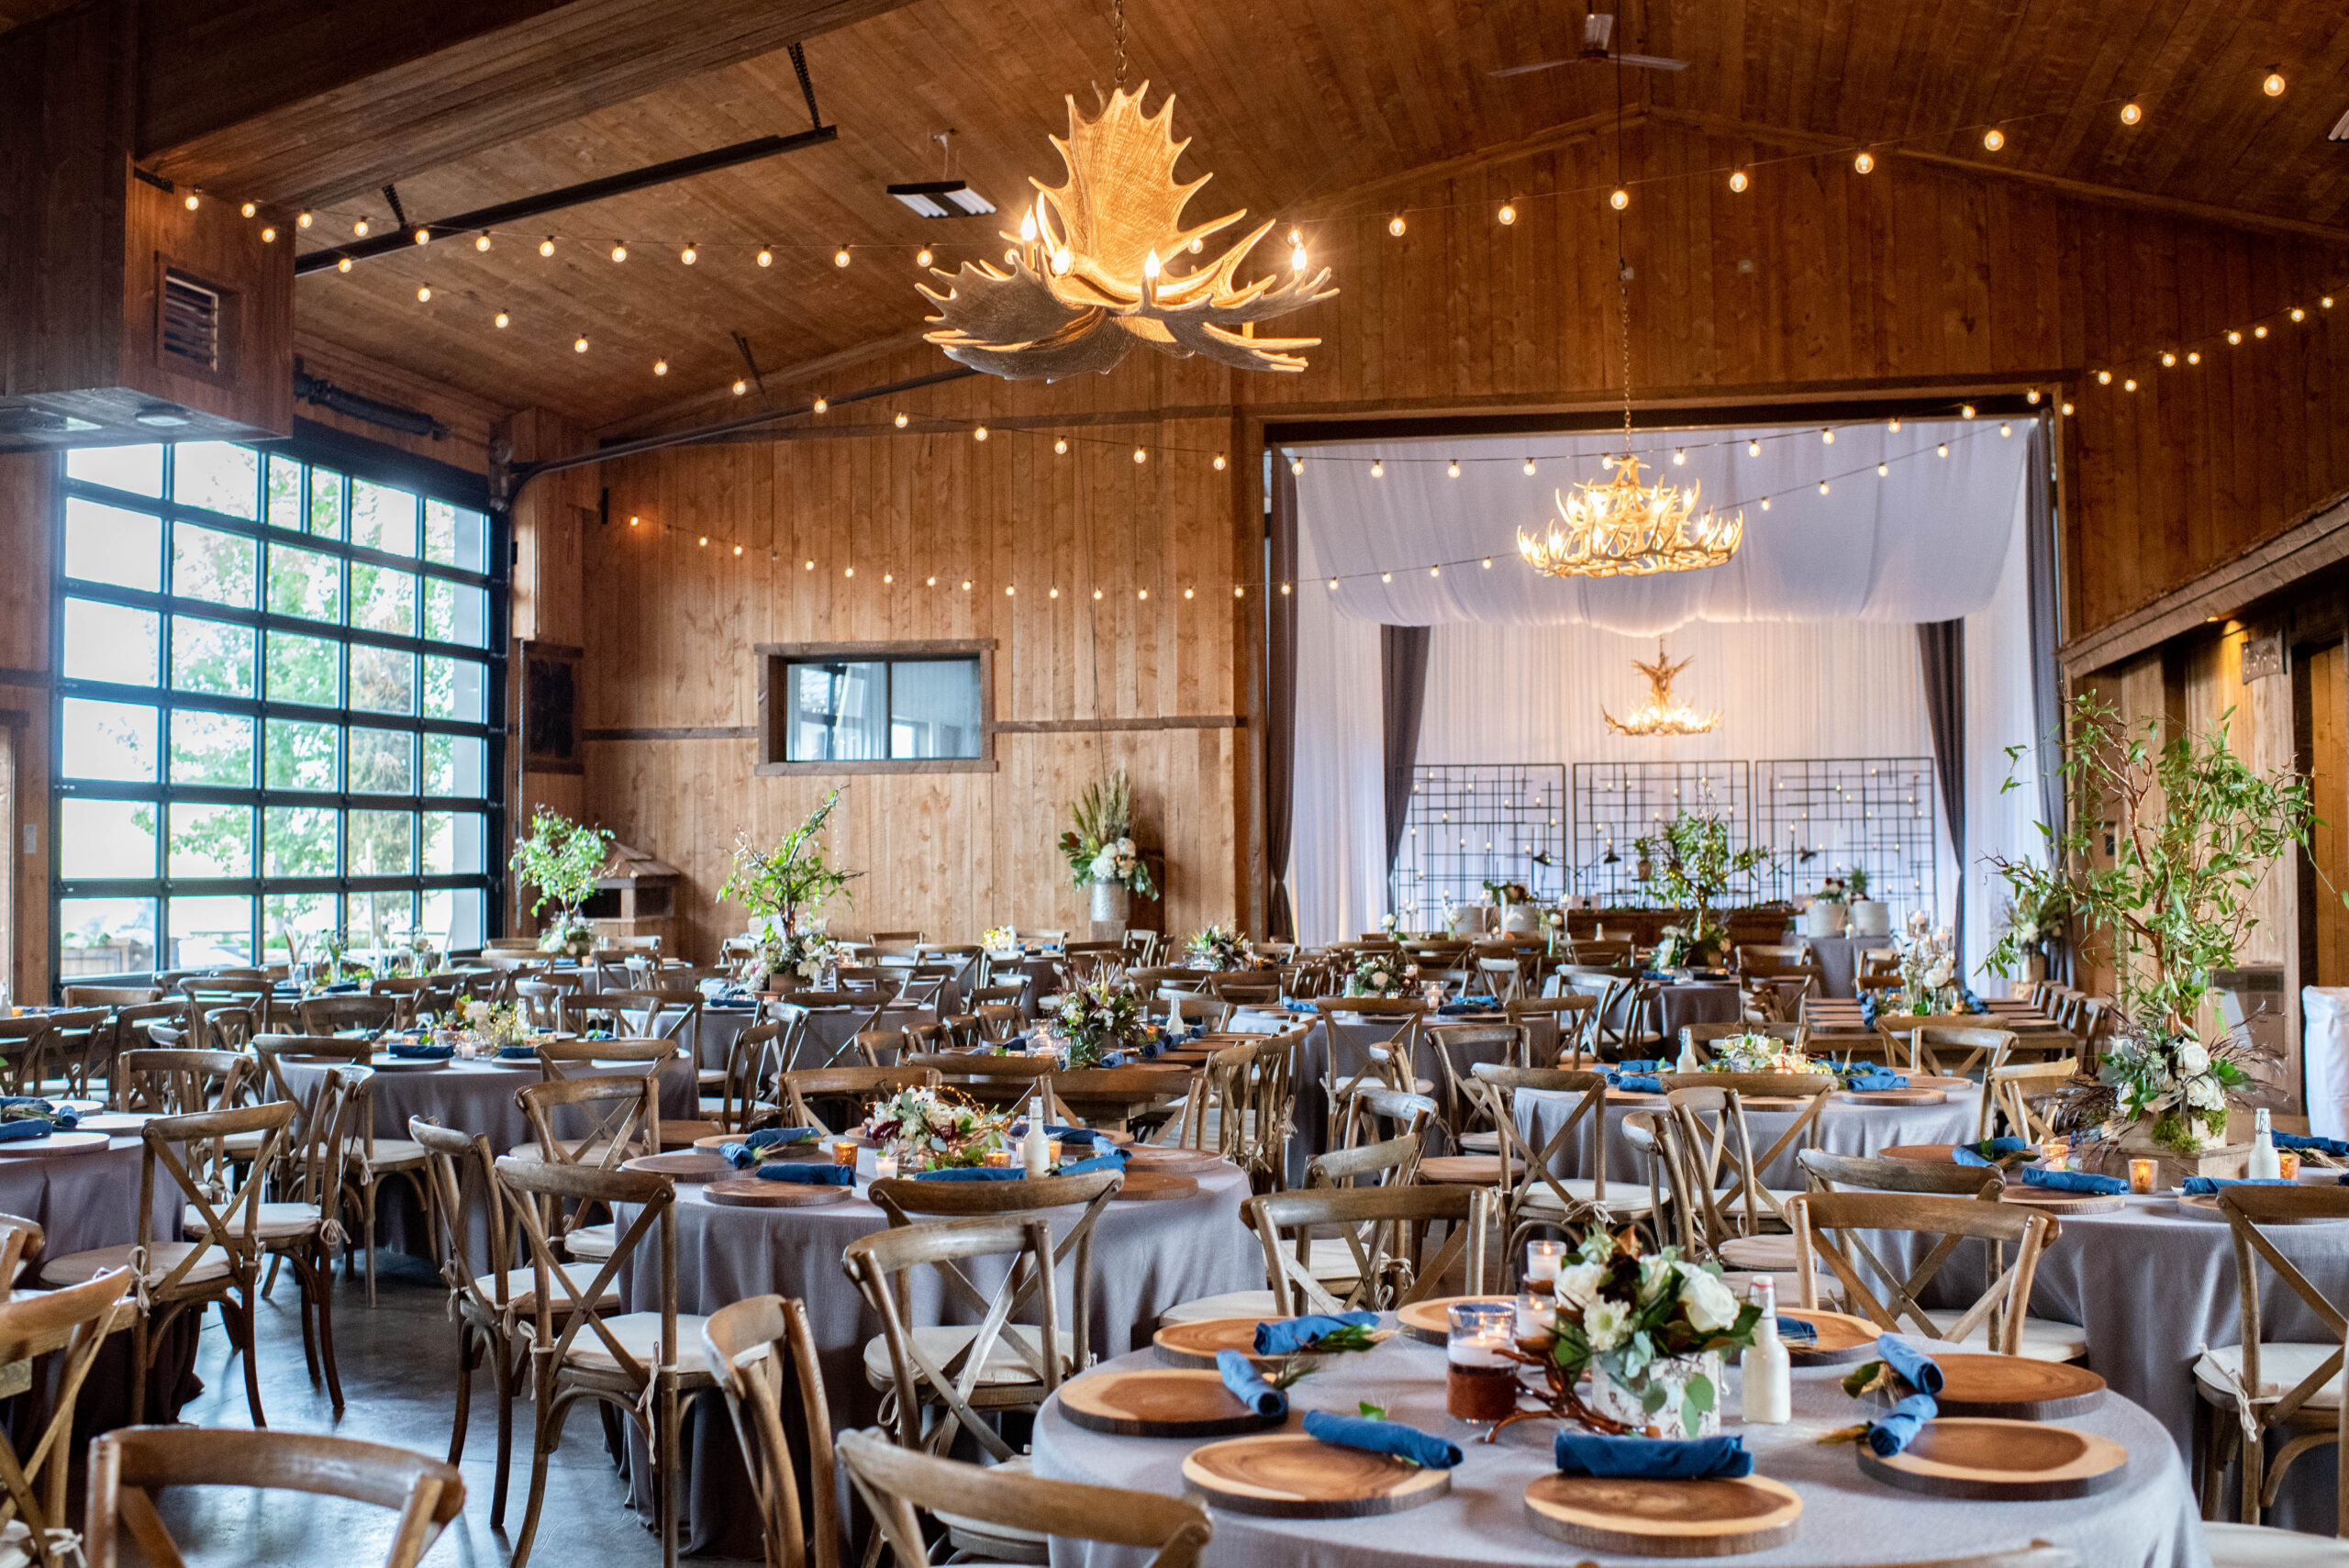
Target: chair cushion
591 1241
275 1222
395 1154
1486 1142
522 1289
1230 1304
2043 1339
1624 1199
1764 1254
1828 1291
1004 1368
683 1134
2281 1367
77 1267
638 1333
2258 1546
1466 1170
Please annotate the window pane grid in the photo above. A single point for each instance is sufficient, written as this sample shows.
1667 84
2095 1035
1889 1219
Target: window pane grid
275 709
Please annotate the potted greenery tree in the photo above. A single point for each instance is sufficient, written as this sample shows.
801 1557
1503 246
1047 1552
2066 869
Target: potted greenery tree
783 888
2193 830
1100 849
2032 924
1697 867
562 858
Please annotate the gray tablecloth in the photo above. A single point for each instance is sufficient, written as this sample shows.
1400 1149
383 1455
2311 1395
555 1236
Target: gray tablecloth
1147 1256
83 1202
1839 960
1677 1003
2147 1522
1841 1128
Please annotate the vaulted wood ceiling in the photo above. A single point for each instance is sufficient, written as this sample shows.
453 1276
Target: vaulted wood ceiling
1287 104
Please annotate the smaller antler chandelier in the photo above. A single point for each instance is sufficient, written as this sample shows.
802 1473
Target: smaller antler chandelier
1663 715
1625 528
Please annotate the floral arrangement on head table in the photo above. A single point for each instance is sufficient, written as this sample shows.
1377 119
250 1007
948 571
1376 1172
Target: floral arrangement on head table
1098 1020
1221 948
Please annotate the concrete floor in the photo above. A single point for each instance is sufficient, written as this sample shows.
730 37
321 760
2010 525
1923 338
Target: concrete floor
398 1366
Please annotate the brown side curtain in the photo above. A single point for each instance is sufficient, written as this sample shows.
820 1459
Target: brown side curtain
1279 750
1940 646
2047 677
1403 690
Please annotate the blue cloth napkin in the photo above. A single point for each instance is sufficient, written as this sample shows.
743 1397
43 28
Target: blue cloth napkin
518 1054
1152 1049
1639 1064
1874 1083
1635 1083
422 1050
1240 1375
1868 1009
339 987
1110 1161
1382 1437
1286 1336
1917 1370
1897 1428
974 1174
1797 1328
1653 1459
2206 1187
2072 1181
745 1154
1989 1150
811 1174
18 1131
1115 1059
1968 1002
2332 1146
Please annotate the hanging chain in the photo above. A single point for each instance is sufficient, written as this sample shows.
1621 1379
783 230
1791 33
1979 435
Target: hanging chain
1623 289
1118 31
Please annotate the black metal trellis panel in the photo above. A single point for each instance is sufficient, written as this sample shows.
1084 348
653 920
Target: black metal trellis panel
1616 803
1823 815
1472 824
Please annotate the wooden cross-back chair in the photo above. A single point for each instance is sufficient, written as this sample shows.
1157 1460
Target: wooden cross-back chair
2260 1386
1629 1018
622 1117
332 1015
128 1466
865 1007
804 1092
747 1093
2021 1095
1878 1174
968 1373
1730 1203
301 1224
1752 957
1244 988
1214 1113
1374 1113
1271 1114
1777 998
1500 977
127 1029
1390 1062
413 995
900 1486
993 1078
222 1014
1386 1230
78 1042
75 1322
1831 1226
754 1348
1953 1050
24 1052
1458 1112
178 1081
654 1013
645 1366
1534 1196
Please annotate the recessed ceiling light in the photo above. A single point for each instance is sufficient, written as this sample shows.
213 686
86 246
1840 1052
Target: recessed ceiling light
943 198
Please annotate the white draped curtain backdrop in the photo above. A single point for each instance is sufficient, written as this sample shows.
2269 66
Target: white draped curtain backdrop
1805 643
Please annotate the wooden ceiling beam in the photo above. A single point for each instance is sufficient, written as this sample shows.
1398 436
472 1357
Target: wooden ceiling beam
290 101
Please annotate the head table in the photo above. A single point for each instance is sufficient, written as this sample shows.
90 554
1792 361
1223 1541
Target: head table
2148 1521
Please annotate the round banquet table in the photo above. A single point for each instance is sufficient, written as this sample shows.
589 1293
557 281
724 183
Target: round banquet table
829 1031
1147 1256
2148 1521
1842 1128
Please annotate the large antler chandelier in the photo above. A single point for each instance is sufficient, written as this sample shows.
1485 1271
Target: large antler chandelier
1625 528
1094 267
1664 713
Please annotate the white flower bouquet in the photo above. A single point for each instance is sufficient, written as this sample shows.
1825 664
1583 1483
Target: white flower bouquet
1000 938
931 1129
1381 974
1758 1053
1647 1330
1221 948
805 955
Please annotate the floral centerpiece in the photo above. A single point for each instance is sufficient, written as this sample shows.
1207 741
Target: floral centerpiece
562 858
1388 923
1758 1053
1928 970
783 888
420 952
1381 974
806 956
340 965
1221 948
1096 1020
1698 868
1648 1330
493 1029
930 1129
1101 848
2166 847
1000 938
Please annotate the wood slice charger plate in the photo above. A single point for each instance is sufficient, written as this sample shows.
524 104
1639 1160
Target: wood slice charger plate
683 1165
1156 1186
756 1192
1985 1459
383 1062
1290 1475
2204 1206
120 1123
1942 1081
1930 1153
808 1148
1430 1321
1169 1162
2047 1200
1195 1344
2010 1387
1841 1338
1664 1519
1159 1402
1912 1095
56 1143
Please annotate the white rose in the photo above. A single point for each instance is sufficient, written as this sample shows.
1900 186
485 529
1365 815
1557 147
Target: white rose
1708 1303
1606 1324
1378 977
2193 1059
1125 846
1578 1283
2205 1094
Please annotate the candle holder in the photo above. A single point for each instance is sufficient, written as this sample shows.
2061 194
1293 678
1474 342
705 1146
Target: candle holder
1543 1261
1481 1360
884 1167
2287 1164
2144 1176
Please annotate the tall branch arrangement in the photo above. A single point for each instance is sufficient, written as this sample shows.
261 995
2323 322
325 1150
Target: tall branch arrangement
2194 830
562 858
791 881
1099 846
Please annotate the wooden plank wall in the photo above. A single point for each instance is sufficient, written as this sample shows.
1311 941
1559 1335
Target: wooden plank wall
28 506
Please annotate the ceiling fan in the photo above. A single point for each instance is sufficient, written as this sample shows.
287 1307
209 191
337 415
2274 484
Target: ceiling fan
1598 29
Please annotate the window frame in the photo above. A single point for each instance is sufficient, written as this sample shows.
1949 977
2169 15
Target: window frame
774 704
355 460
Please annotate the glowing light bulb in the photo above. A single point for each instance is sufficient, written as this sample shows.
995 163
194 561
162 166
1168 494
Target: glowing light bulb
2234 337
424 294
1378 469
502 320
481 240
619 253
2104 378
1822 487
2259 332
1507 215
1063 259
1150 264
579 346
766 257
1993 139
1297 258
980 434
2274 85
1765 502
2169 359
1943 450
901 421
635 522
839 257
1965 411
1395 226
1864 164
660 367
1238 591
737 550
2006 430
689 255
249 209
740 386
194 201
358 229
822 404
1738 181
1096 595
1218 462
2129 385
1679 454
2131 114
1296 465
1028 226
1529 468
2067 410
2031 397
1619 198
1060 447
1006 591
343 265
1883 469
1140 456
966 585
2326 302
1333 585
1753 449
1827 437
1052 594
1451 469
2194 356
301 220
2299 315
922 258
1386 576
424 236
705 541
269 236
1893 425
546 246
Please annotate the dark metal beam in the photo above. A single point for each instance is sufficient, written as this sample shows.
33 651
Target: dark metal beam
525 207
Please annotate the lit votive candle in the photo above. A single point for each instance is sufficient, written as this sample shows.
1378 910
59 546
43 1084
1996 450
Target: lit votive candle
998 1158
843 1153
1535 1324
1052 1151
884 1167
2287 1164
1480 1385
2142 1175
1542 1262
